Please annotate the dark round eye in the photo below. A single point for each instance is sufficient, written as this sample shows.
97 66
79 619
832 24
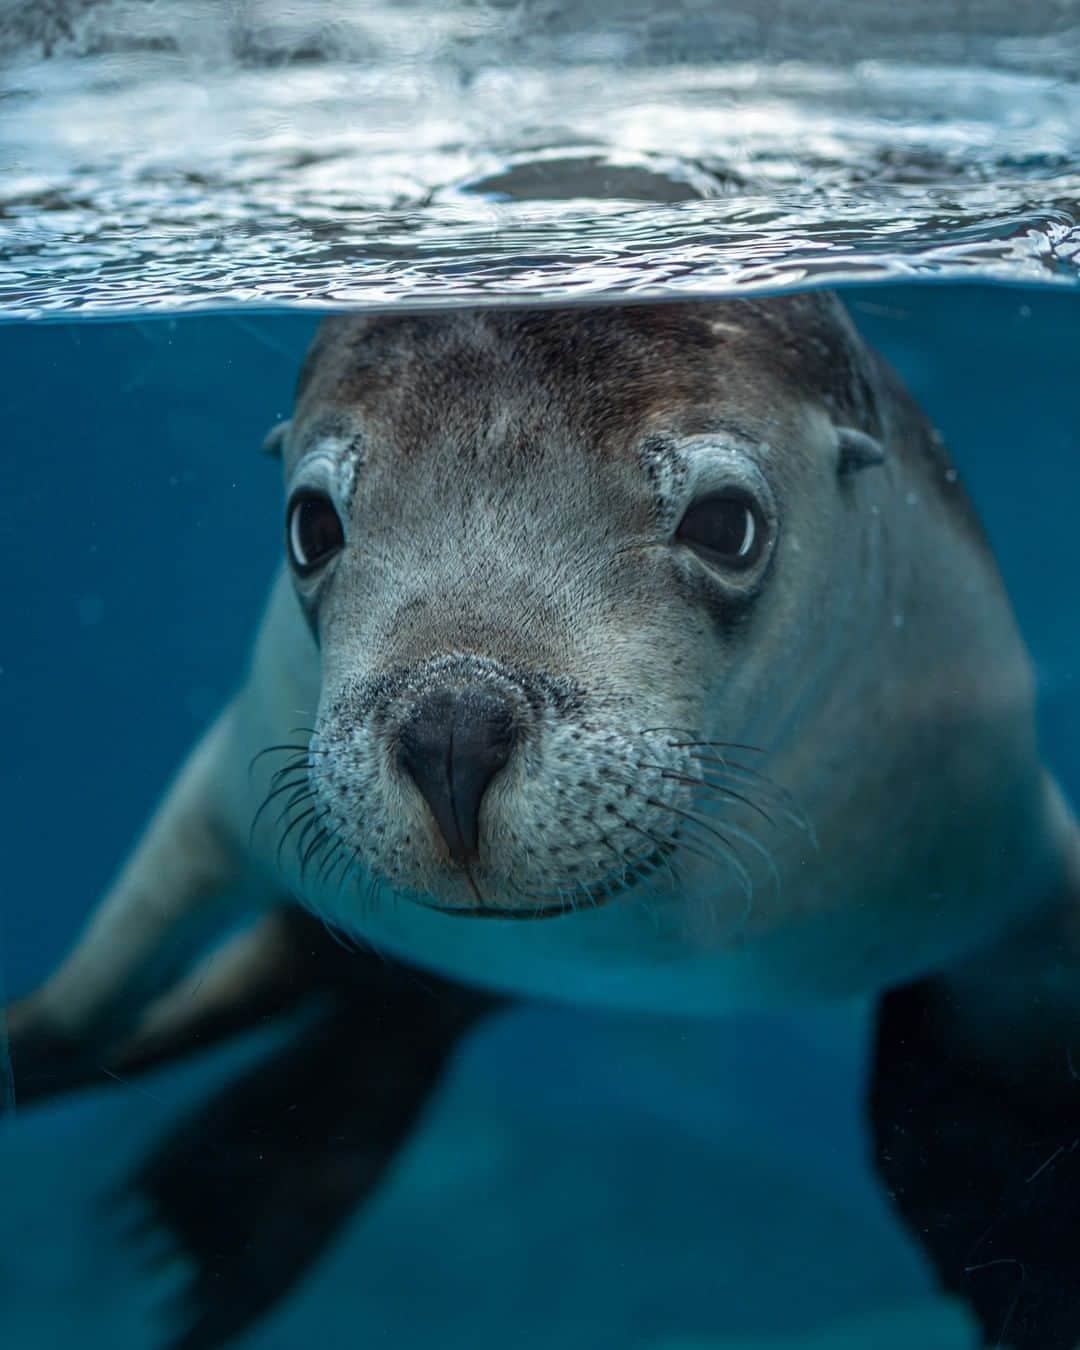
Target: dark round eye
726 529
314 531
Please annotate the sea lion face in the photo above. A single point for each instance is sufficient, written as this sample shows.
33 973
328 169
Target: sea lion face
564 570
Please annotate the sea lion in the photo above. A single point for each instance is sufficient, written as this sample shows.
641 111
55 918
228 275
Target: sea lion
650 656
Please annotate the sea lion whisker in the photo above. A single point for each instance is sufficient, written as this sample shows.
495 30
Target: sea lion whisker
652 895
690 742
294 765
671 842
668 730
706 792
322 834
341 867
697 848
727 851
349 859
313 823
742 875
342 855
329 861
537 898
292 826
277 792
745 837
367 900
789 812
294 787
297 773
669 857
780 794
718 745
729 857
724 836
629 862
665 856
277 750
339 936
314 849
715 788
300 792
736 767
597 897
777 796
300 775
566 902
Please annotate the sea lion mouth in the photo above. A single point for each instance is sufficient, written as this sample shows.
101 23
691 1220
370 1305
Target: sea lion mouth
500 912
584 897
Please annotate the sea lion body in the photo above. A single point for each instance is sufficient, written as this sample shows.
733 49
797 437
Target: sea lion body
717 770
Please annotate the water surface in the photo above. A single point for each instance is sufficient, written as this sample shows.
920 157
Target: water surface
172 156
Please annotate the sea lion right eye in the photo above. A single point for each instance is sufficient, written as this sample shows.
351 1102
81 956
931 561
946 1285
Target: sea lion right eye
725 528
314 531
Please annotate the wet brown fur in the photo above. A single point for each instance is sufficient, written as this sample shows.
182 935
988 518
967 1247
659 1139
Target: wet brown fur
617 367
610 376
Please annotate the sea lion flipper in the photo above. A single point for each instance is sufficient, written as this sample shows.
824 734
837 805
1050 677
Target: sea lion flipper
185 879
983 1162
253 1186
975 1109
261 972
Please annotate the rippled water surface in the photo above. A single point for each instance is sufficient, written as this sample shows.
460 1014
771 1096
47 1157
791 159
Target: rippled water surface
162 156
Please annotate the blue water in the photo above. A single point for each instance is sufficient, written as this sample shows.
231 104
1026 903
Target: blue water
582 1180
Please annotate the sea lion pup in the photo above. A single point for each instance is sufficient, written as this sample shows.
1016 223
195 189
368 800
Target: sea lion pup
648 656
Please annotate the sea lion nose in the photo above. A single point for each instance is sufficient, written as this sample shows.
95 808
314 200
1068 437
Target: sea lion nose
452 745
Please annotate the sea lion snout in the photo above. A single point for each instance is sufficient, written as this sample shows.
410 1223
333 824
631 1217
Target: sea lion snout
452 745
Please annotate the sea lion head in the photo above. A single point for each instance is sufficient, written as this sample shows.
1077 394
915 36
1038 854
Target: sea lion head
568 572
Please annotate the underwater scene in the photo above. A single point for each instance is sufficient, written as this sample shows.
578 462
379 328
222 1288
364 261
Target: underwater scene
540 675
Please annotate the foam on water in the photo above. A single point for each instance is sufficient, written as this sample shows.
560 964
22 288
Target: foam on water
167 156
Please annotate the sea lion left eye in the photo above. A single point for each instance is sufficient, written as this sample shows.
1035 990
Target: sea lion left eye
314 531
725 528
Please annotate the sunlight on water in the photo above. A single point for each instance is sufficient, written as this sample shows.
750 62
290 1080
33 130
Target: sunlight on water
165 156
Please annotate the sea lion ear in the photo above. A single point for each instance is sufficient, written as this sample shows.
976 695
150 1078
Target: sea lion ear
856 450
274 443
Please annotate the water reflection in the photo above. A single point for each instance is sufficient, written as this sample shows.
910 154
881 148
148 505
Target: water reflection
167 157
